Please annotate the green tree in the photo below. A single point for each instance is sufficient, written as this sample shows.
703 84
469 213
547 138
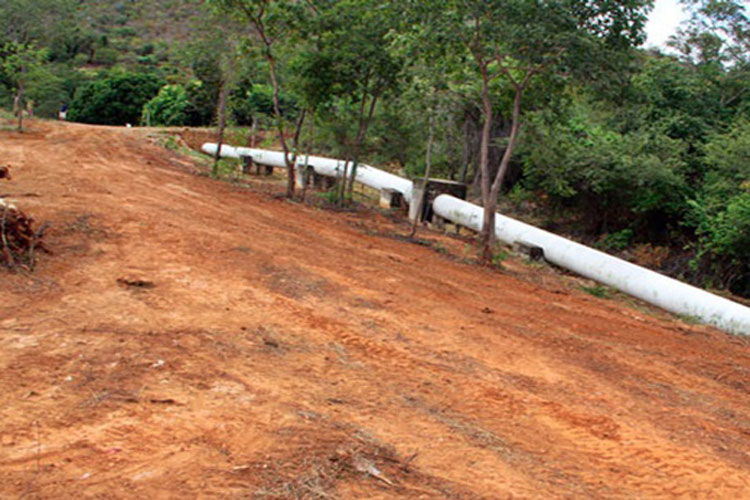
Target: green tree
116 98
716 39
169 107
516 40
583 162
26 27
347 67
203 90
718 31
272 21
46 86
721 211
18 60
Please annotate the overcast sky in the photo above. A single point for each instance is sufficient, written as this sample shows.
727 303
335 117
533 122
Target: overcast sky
663 22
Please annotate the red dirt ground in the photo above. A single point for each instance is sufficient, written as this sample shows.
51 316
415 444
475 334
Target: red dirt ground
191 338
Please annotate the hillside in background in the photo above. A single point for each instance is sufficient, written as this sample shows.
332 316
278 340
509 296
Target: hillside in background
139 32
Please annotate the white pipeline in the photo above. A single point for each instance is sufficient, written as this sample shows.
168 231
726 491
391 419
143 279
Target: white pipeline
367 175
634 280
262 156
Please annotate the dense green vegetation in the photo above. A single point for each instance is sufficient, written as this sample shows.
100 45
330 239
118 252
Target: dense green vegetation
116 98
550 107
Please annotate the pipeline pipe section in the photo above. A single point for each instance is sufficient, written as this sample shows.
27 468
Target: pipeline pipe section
262 156
650 286
367 175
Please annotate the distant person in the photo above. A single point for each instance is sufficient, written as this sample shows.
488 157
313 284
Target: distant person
63 114
30 108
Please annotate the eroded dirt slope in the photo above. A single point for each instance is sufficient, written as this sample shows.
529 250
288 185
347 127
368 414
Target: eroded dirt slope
190 339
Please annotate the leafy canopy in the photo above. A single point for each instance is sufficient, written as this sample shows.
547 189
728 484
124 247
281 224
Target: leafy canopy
116 99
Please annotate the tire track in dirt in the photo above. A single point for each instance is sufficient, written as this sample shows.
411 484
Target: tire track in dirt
599 427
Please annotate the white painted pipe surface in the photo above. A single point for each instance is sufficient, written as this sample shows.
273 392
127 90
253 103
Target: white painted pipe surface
262 156
634 280
367 175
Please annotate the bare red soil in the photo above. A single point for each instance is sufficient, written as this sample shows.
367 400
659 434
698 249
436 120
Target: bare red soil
190 338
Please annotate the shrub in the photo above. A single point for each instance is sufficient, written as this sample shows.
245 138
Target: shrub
721 212
47 90
106 56
168 108
729 230
116 98
256 99
617 179
617 241
202 98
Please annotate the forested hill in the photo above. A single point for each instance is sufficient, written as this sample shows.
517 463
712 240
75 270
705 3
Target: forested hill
144 21
555 104
83 40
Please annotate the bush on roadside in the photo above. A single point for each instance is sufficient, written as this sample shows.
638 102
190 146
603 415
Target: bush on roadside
169 108
116 98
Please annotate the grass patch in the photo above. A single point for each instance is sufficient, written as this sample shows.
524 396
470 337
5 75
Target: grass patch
6 115
597 290
689 319
171 142
499 257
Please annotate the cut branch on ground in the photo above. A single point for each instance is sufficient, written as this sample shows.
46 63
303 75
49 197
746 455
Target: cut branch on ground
18 240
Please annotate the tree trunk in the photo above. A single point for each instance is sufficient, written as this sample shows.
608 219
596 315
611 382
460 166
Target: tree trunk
19 100
488 226
253 128
298 129
295 143
280 124
428 166
222 112
341 188
352 176
508 154
468 143
490 206
364 124
309 145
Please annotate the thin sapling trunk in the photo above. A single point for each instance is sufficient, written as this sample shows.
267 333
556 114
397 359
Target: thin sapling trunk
428 166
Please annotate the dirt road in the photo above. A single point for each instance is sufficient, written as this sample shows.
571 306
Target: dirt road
190 338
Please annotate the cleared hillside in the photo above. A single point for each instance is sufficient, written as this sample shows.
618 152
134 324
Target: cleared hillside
192 338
